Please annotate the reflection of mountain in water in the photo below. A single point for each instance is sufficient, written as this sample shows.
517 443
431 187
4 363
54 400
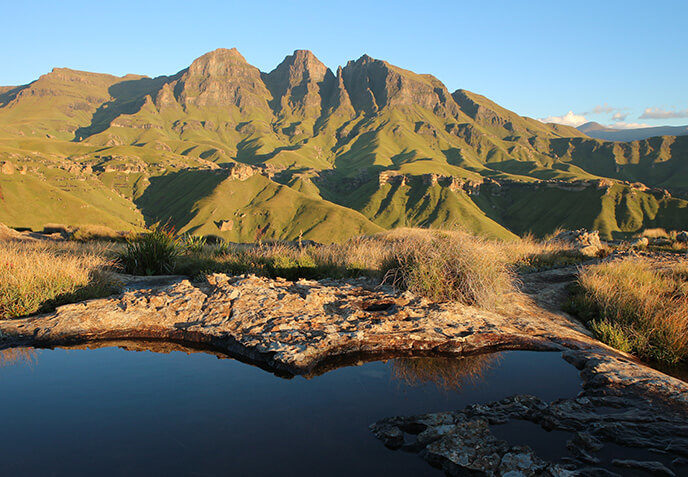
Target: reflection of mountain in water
18 356
445 373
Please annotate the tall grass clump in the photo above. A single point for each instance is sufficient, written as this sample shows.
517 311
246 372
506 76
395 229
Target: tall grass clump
451 267
36 277
637 307
152 253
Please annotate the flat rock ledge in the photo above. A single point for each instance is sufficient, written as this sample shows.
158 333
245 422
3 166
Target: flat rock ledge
296 327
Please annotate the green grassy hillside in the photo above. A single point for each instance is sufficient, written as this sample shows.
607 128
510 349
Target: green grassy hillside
303 150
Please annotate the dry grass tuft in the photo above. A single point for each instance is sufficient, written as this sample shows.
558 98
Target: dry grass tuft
37 276
637 307
451 267
655 233
85 233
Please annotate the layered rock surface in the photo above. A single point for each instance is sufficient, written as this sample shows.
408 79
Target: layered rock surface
296 326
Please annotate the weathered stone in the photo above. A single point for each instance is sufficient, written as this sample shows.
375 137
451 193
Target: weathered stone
641 242
295 326
622 403
586 242
6 168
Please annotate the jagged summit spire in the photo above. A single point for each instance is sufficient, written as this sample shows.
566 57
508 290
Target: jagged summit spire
217 62
299 65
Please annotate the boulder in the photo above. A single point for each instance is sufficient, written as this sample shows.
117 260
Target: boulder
682 237
6 168
586 242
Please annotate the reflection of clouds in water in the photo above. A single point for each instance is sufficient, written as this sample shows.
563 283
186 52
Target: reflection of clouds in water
445 373
18 356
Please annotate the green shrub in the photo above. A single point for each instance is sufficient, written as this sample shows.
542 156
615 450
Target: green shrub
193 243
151 253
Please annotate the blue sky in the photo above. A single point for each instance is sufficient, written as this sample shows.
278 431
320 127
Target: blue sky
541 59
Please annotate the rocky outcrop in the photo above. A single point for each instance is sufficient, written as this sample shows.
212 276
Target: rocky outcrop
297 326
586 242
374 84
221 78
299 84
6 168
622 404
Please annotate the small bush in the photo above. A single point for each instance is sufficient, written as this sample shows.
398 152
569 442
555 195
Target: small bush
151 253
442 267
637 307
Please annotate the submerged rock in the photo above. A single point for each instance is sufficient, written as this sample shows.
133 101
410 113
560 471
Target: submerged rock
623 407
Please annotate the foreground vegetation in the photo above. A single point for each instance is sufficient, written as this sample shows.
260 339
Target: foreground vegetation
635 306
439 265
631 304
37 276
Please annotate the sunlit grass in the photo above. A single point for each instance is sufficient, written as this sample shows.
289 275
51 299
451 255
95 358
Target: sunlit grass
37 276
637 307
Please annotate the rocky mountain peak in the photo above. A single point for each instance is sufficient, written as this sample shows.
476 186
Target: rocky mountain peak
299 83
374 84
220 62
298 67
222 78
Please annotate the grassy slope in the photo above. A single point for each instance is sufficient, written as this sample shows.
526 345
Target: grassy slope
420 205
257 209
27 201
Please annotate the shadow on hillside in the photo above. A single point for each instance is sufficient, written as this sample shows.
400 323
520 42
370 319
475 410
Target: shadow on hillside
9 95
172 197
128 98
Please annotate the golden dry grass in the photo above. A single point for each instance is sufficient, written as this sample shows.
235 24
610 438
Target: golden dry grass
441 265
451 267
36 276
637 306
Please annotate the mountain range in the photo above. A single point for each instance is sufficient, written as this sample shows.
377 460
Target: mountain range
222 148
607 133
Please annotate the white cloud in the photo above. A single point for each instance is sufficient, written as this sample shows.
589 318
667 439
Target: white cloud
619 116
623 125
568 119
602 109
659 113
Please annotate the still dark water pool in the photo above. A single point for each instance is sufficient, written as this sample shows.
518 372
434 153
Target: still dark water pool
110 411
